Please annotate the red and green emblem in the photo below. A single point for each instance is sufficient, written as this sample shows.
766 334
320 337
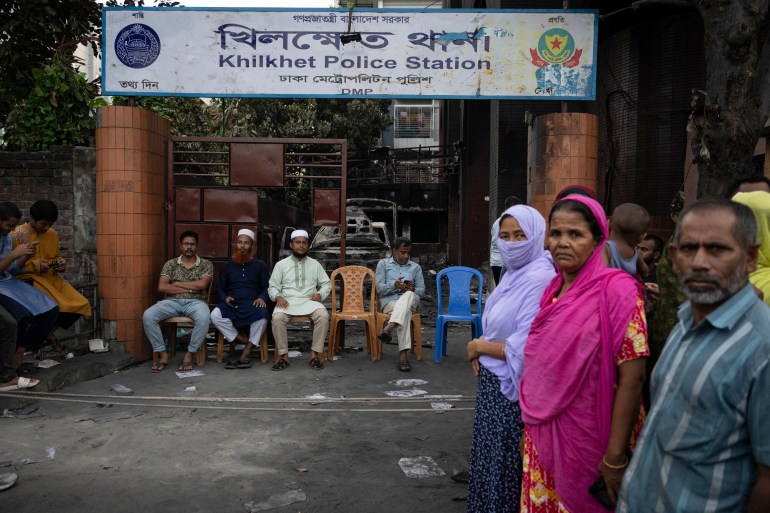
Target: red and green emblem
556 46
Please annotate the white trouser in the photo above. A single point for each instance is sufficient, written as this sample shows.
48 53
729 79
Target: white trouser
401 313
225 326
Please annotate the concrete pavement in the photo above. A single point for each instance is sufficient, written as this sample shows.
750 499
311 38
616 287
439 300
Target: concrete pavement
244 437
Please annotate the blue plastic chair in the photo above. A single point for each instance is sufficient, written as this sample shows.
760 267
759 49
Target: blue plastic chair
459 308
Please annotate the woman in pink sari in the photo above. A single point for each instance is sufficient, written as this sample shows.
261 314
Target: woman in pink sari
584 365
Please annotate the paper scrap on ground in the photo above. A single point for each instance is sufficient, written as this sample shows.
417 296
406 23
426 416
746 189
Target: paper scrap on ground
190 374
408 382
121 389
50 454
47 363
316 396
420 466
101 419
444 396
442 406
276 501
24 413
406 393
188 392
295 354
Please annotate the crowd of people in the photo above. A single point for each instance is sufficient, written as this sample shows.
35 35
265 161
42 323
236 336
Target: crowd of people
561 422
564 418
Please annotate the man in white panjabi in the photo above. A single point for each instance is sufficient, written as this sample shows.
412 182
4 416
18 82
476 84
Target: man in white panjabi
298 285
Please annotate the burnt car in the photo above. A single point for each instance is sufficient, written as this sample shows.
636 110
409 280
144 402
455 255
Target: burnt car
366 241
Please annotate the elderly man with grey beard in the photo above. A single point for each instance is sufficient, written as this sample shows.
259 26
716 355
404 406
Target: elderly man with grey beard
705 446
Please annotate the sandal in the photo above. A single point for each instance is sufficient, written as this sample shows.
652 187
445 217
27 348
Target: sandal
280 365
385 337
159 367
403 366
315 363
232 364
186 367
240 364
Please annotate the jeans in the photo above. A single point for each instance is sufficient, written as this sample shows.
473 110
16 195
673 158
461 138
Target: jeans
195 309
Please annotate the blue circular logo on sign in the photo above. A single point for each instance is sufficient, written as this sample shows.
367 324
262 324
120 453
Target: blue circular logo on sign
137 46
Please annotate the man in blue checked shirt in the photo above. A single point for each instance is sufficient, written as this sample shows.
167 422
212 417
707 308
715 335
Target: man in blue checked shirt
706 444
400 285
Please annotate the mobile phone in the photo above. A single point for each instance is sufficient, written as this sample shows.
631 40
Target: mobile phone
407 282
598 491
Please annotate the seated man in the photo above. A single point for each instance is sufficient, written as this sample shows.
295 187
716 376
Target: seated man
43 270
400 285
298 285
34 312
242 299
185 281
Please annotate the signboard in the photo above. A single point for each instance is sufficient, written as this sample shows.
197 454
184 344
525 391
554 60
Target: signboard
372 53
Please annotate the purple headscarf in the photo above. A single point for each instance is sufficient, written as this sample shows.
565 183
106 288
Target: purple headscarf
513 304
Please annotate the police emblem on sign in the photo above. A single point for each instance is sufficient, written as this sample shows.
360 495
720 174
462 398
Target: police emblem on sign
137 46
556 46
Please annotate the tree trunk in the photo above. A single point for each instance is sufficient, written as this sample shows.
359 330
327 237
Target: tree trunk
736 102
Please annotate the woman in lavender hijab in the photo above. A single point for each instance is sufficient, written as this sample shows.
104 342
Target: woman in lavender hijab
497 358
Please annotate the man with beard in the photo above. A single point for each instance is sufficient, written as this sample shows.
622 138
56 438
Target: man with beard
298 285
400 285
705 447
242 297
185 281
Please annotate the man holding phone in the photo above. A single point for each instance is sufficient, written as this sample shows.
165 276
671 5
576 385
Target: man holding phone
44 270
400 285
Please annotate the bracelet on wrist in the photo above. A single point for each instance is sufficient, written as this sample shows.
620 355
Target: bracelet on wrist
614 467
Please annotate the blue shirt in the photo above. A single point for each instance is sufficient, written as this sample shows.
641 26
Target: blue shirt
709 425
6 246
388 271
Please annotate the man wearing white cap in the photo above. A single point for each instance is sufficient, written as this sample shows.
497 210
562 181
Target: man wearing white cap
298 285
242 298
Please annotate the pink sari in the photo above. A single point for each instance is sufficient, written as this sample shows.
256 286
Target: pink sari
568 386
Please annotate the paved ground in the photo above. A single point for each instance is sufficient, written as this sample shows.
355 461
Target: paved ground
242 437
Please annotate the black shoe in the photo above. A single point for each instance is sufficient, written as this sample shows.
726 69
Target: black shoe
385 337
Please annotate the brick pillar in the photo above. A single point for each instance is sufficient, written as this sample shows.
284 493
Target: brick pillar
562 151
131 145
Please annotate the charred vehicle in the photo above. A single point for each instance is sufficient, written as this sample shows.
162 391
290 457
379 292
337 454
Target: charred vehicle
366 241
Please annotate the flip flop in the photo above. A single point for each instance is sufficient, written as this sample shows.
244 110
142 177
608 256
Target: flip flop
280 365
7 480
159 367
21 384
186 367
243 365
315 363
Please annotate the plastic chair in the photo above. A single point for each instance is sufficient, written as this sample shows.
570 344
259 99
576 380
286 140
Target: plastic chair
353 306
459 308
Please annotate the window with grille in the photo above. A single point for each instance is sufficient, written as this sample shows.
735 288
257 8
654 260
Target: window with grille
413 121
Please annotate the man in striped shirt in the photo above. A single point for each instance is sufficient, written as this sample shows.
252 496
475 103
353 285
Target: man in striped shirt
706 444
